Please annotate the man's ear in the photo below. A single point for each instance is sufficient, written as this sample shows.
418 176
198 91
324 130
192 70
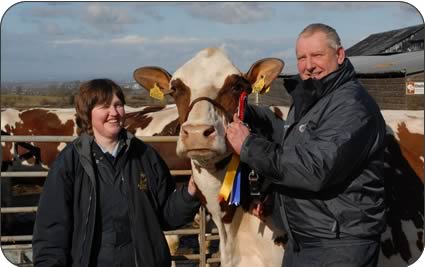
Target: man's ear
340 53
151 77
263 72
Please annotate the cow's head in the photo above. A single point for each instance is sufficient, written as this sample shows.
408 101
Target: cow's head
206 90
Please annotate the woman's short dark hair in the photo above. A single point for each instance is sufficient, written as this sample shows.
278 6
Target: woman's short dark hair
92 93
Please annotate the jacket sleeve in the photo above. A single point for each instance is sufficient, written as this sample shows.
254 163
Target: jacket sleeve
177 206
325 155
53 225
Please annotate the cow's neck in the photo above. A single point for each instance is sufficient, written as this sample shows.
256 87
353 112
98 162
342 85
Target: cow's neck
209 181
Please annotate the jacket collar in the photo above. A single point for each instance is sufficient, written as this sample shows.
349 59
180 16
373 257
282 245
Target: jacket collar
83 145
305 93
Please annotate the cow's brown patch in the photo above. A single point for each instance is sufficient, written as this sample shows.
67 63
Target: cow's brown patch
42 122
136 120
233 86
181 95
171 129
412 148
404 192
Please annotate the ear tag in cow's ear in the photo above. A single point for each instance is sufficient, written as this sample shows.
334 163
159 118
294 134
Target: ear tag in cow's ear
259 85
266 91
155 92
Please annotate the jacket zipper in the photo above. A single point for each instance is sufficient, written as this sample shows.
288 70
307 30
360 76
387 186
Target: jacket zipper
131 220
86 227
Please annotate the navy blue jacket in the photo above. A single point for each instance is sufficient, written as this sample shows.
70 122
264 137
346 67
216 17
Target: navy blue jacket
64 227
326 169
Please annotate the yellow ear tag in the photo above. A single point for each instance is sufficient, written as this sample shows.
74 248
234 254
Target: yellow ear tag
155 92
258 85
267 90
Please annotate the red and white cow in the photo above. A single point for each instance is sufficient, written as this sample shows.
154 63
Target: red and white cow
206 90
403 241
145 121
245 241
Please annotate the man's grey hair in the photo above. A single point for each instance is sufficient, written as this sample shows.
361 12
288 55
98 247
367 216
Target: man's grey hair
332 35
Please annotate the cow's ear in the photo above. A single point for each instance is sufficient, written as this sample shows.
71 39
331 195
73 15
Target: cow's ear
263 72
149 77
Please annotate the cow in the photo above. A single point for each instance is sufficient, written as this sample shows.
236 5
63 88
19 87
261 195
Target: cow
206 91
206 88
403 241
61 122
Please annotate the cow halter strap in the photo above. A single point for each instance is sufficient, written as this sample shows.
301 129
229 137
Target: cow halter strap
227 114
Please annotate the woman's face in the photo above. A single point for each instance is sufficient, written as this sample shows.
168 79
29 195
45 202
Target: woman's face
108 119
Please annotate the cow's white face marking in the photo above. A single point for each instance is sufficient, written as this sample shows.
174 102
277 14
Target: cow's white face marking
205 75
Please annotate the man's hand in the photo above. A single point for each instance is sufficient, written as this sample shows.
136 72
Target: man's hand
191 187
236 133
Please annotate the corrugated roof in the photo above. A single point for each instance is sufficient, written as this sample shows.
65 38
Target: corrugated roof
378 42
411 62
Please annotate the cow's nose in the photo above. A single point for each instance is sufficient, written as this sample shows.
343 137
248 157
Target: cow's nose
198 131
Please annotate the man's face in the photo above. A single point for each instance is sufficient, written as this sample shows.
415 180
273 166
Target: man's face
315 57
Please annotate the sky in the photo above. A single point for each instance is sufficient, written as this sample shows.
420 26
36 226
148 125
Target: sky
50 41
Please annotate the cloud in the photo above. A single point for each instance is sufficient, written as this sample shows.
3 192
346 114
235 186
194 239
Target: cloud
129 40
126 40
76 41
107 17
59 10
114 17
172 40
403 7
229 12
50 28
342 6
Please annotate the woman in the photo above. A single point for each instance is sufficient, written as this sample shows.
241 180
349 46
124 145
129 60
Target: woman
108 196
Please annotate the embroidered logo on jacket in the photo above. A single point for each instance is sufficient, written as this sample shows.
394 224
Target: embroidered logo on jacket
143 182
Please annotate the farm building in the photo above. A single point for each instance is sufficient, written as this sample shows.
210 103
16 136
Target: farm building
389 64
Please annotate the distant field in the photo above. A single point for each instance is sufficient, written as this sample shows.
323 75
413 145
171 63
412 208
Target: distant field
25 101
30 101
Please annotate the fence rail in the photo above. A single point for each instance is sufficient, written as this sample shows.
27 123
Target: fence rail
8 242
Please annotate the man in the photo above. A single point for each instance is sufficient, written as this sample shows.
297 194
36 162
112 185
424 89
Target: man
326 170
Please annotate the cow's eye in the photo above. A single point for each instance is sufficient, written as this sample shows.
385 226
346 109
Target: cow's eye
173 90
236 89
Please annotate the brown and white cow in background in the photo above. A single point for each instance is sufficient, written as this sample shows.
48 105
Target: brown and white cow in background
206 90
144 121
403 241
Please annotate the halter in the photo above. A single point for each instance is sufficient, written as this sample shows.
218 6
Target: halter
227 114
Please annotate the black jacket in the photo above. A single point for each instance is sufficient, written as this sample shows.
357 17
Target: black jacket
64 227
327 167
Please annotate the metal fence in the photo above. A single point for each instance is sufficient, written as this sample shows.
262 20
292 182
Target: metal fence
18 249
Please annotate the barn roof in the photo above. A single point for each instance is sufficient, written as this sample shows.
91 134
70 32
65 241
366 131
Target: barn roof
410 63
377 43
